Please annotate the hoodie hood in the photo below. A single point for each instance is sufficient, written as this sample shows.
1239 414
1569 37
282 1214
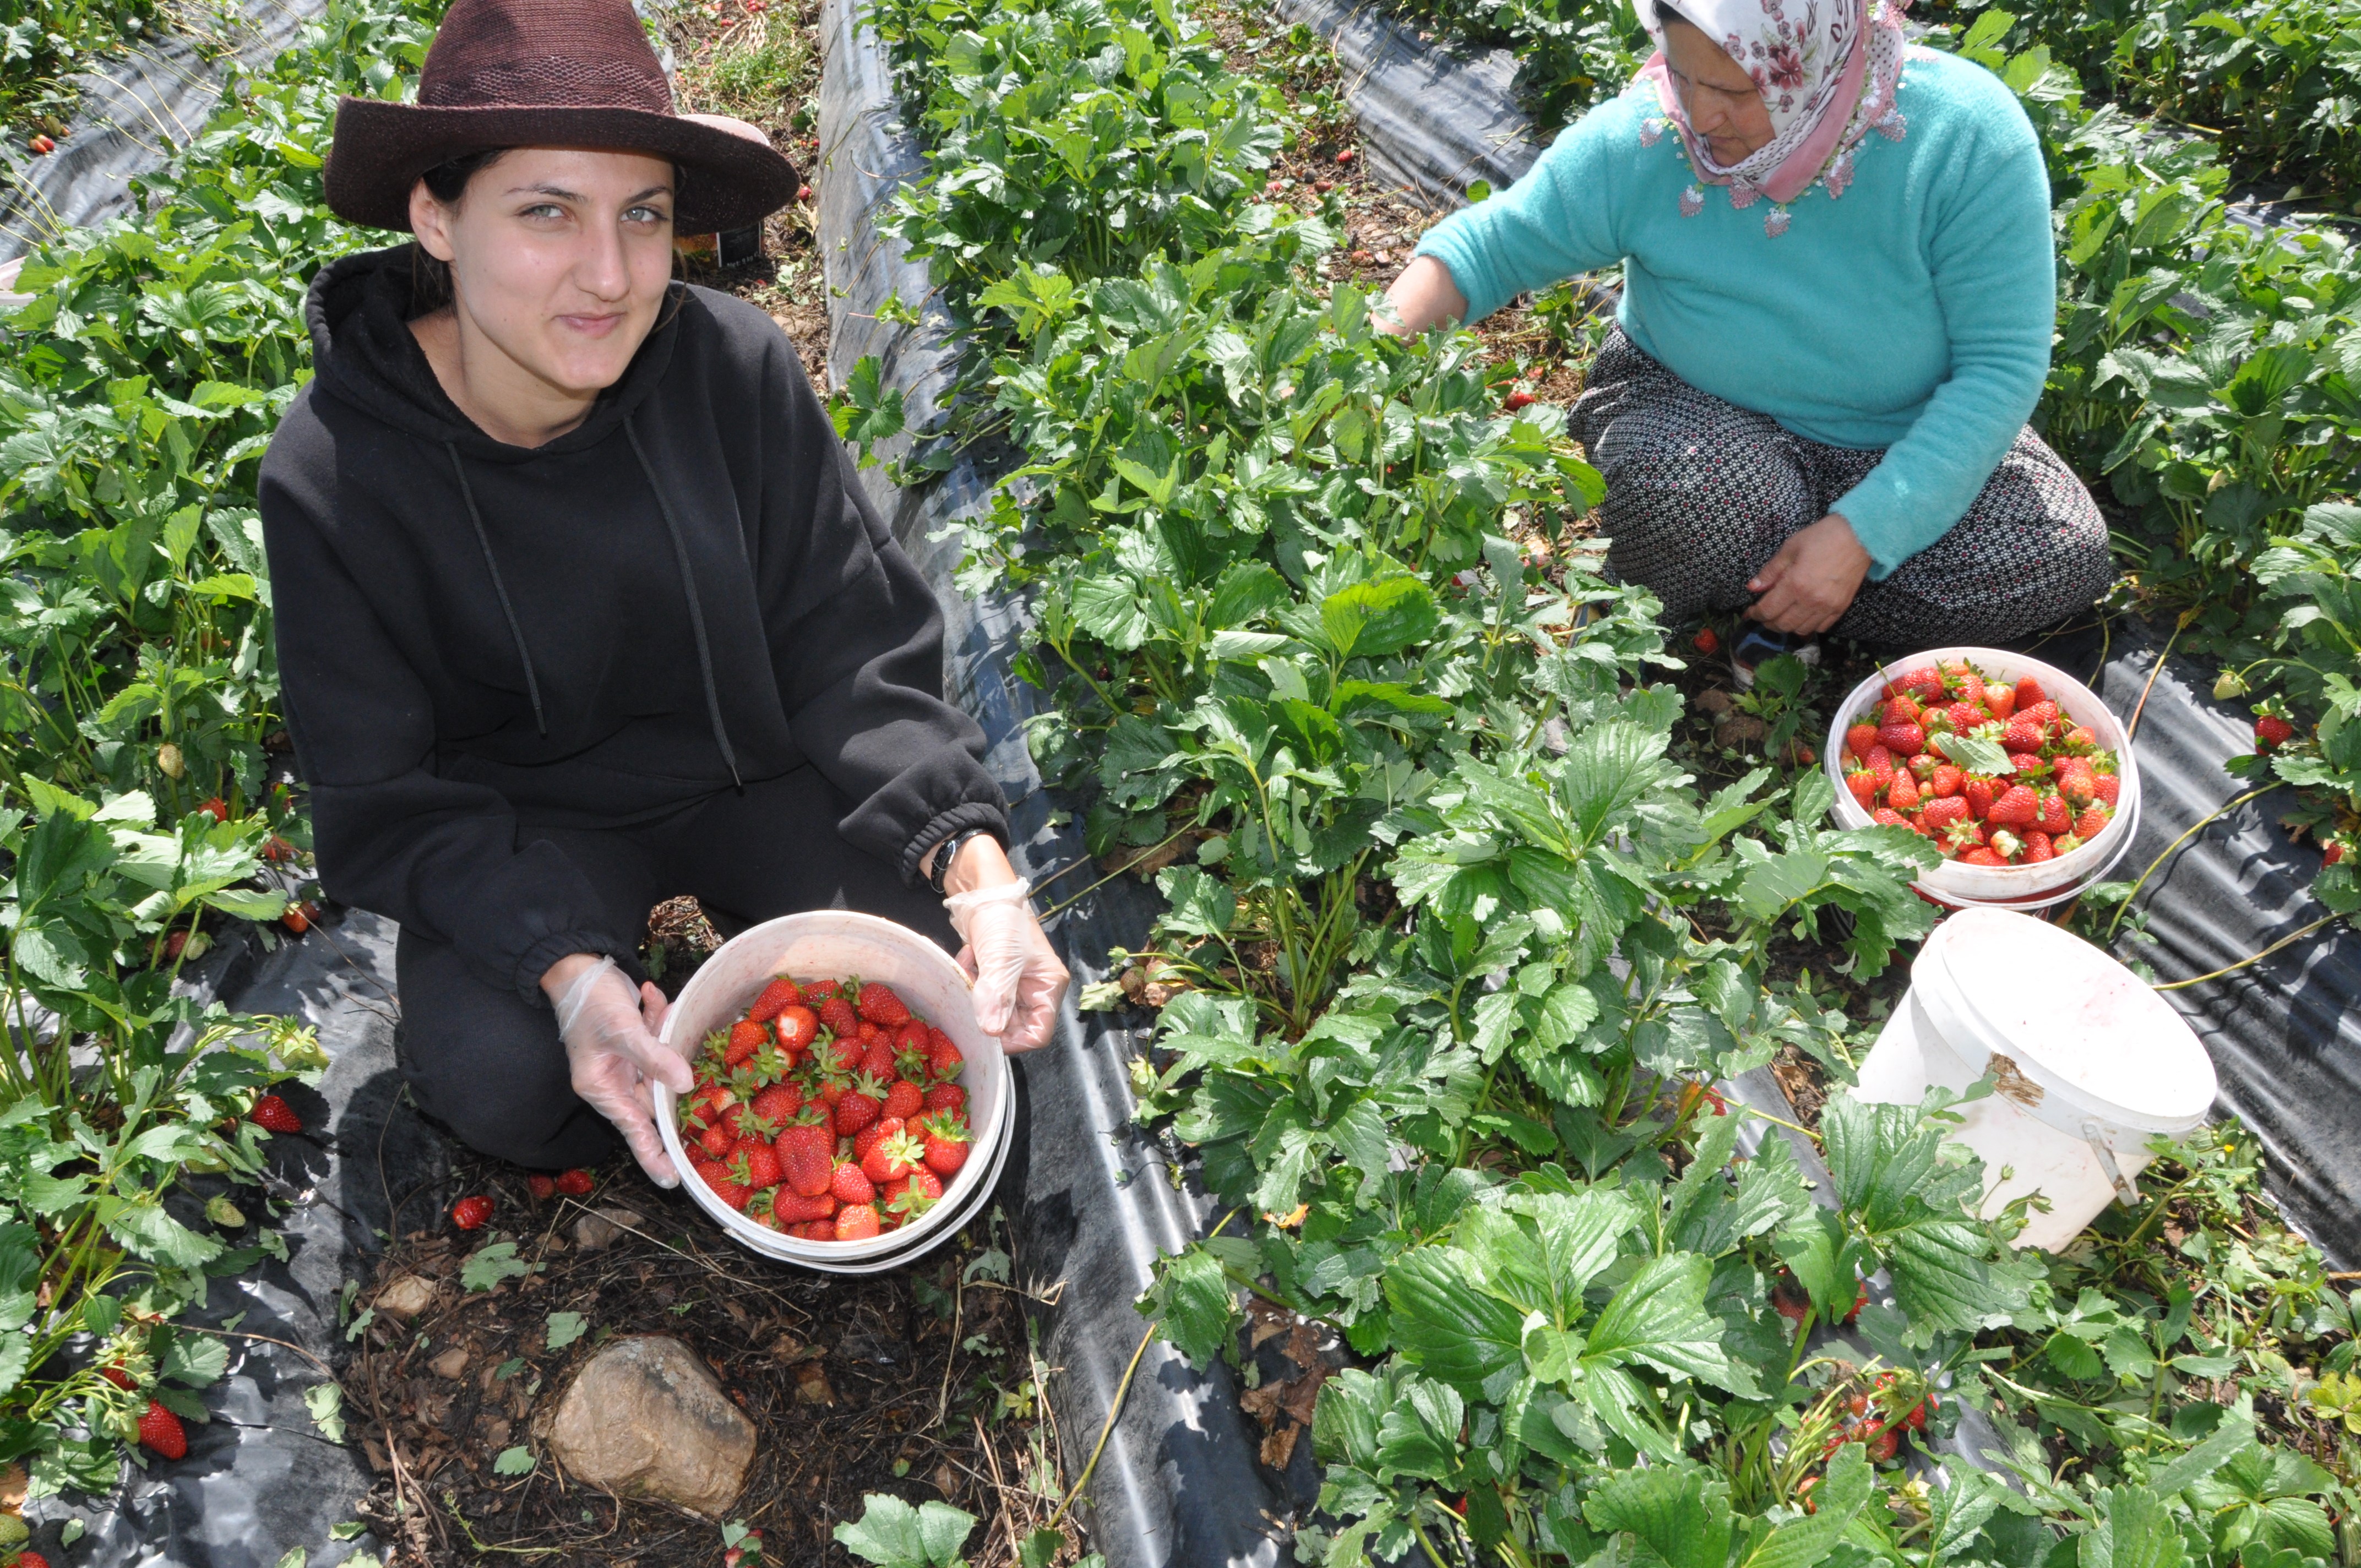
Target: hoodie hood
359 311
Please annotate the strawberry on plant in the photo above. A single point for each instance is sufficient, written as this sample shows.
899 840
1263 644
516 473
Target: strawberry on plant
1706 642
2271 731
1881 1446
161 1429
217 809
470 1213
273 1114
542 1187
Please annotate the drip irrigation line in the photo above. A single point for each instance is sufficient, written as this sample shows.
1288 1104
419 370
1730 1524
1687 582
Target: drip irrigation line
2219 811
2179 626
1107 1429
2251 958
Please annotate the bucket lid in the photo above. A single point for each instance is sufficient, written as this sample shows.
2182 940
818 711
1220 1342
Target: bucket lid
2088 1038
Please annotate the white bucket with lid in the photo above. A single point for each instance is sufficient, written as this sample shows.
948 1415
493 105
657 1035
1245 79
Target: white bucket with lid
831 943
1957 885
2091 1063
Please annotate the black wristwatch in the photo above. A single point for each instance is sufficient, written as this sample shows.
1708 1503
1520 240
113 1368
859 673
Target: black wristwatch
944 853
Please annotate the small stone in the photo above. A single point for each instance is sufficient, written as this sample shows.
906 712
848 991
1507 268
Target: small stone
602 1228
405 1296
452 1365
1716 702
645 1418
1739 729
811 1386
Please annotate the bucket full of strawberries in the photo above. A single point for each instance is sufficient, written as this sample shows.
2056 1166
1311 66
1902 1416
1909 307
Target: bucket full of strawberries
2015 770
847 1113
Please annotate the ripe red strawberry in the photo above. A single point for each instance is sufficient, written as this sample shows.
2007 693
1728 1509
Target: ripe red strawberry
947 1097
795 1209
161 1429
819 991
1863 785
2044 713
877 1060
859 1105
851 1184
2331 853
754 1164
1518 398
1947 780
2108 786
469 1214
915 1194
2053 818
723 1182
890 1159
1886 817
912 1039
718 1140
273 1114
836 1015
857 1224
745 1039
217 809
542 1187
1922 766
806 1154
869 1136
844 1053
1860 738
778 1106
1982 855
2001 700
2022 735
1959 838
2081 738
1902 708
2029 692
2077 782
904 1098
1903 739
946 1145
796 1028
2017 808
1980 792
775 996
2025 765
2038 848
2092 823
576 1182
1903 793
31 1558
1880 763
880 1005
1922 681
1942 811
2271 731
1966 716
1706 642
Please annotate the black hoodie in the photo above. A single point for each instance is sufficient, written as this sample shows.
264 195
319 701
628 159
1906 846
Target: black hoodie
687 591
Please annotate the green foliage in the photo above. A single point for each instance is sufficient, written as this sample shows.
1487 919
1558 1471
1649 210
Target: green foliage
892 1534
43 41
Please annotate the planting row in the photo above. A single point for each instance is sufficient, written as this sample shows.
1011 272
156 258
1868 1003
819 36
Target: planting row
137 715
1455 949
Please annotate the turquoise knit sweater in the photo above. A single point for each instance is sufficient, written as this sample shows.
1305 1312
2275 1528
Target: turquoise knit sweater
1913 314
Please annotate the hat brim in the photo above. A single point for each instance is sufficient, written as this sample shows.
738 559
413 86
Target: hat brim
380 150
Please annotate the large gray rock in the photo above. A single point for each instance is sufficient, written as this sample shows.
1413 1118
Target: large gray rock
645 1419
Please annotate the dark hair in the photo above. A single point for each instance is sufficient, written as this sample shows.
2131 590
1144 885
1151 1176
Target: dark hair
1667 15
429 276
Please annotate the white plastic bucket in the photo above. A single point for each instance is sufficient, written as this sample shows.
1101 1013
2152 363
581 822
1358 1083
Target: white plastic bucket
1957 886
829 943
2091 1063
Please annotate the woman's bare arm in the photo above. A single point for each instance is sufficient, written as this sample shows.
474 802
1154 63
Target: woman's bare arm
1423 296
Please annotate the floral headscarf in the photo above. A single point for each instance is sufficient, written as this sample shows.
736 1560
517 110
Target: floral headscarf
1826 71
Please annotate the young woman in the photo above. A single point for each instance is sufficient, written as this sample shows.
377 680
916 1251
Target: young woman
579 606
1838 295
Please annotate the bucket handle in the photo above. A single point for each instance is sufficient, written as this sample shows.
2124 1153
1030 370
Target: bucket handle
2097 1138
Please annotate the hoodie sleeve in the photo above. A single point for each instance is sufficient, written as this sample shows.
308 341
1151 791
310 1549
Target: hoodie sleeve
856 640
438 855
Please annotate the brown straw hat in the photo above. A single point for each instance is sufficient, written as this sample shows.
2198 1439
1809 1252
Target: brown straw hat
508 74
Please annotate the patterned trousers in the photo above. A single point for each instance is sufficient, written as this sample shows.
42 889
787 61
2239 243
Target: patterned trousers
1701 494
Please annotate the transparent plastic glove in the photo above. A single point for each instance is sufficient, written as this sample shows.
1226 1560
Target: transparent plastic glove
609 1032
1019 980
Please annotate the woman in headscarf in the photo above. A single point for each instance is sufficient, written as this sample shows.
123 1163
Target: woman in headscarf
580 604
1838 288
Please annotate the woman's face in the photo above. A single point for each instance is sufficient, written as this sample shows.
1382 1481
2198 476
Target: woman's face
559 259
1724 106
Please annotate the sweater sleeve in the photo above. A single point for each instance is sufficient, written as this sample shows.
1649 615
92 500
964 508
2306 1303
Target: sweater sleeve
856 640
438 855
1995 267
1555 221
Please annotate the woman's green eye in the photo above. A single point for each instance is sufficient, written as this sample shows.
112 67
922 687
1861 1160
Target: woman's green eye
644 216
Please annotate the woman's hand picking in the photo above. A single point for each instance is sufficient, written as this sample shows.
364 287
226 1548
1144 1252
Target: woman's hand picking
612 1048
1806 588
1019 978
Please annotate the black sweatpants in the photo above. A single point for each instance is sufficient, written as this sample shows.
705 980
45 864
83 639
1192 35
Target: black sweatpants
488 1065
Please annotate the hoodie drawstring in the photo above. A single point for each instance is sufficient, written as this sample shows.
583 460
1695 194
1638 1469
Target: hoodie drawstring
524 655
696 610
